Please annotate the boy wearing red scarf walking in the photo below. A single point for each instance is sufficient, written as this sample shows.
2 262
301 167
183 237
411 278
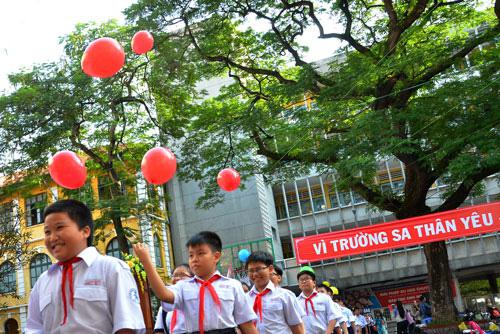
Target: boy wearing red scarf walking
321 313
84 292
211 303
277 309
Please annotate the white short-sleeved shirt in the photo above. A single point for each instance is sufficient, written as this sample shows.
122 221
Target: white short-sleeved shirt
234 306
279 310
325 312
180 324
348 315
105 298
360 320
159 319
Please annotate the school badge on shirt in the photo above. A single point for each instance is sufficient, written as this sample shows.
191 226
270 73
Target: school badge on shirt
133 295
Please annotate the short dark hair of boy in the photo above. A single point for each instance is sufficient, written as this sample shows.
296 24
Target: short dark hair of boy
260 256
206 238
278 271
243 283
77 211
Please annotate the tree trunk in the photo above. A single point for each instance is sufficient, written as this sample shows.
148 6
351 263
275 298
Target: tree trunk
120 234
116 193
439 274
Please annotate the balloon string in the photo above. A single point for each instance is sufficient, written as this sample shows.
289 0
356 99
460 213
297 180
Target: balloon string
230 154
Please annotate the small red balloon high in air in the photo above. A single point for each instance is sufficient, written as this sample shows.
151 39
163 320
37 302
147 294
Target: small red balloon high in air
142 42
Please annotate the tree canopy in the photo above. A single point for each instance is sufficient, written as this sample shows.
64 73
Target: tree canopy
110 122
416 80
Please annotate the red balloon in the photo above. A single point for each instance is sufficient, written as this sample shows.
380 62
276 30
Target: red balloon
103 58
158 165
228 179
67 170
142 42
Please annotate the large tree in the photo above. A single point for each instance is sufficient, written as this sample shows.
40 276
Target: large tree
55 106
416 80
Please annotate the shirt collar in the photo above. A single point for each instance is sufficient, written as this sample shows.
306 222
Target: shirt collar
269 286
88 255
194 278
304 296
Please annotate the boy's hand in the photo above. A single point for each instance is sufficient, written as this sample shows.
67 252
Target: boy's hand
141 251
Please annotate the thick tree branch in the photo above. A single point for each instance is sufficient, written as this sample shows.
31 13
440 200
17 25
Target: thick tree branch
306 157
448 62
75 140
414 14
229 62
245 88
346 36
376 197
391 12
463 190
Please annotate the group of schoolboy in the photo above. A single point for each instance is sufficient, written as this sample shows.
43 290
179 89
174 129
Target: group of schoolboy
86 292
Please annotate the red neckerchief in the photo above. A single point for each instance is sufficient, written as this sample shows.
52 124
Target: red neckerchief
215 297
173 321
257 303
309 299
67 273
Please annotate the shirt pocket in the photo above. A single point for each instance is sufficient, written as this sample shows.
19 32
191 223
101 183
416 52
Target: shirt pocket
44 301
273 306
319 308
227 300
94 294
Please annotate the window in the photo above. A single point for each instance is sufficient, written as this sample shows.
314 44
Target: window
286 245
6 217
7 278
334 203
345 199
157 247
34 209
357 198
113 249
104 188
39 263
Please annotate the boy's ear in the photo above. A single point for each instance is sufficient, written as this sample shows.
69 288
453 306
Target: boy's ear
86 231
271 267
217 255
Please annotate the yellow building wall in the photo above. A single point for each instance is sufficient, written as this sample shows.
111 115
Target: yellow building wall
16 307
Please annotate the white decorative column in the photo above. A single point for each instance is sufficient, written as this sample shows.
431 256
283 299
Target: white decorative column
166 248
23 315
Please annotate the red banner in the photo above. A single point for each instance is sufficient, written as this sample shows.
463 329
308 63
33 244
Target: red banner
452 224
406 294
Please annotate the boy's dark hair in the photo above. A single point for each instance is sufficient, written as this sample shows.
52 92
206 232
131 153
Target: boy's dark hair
206 238
245 284
77 211
260 256
278 270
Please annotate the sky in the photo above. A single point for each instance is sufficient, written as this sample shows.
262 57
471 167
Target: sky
30 30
